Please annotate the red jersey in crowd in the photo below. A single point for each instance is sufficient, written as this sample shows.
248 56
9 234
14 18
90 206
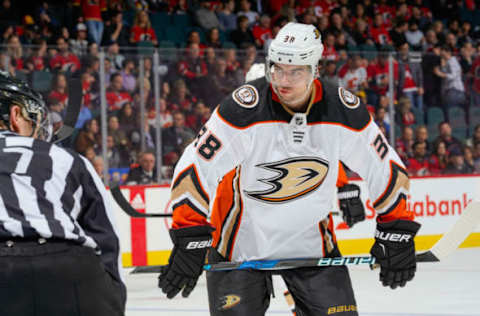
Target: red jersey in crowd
330 53
408 119
141 34
261 33
417 167
276 5
116 100
378 73
38 62
409 84
475 71
59 97
380 34
92 9
70 62
87 95
435 165
387 12
192 70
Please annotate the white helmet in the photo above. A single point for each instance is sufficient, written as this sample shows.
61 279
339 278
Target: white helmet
296 44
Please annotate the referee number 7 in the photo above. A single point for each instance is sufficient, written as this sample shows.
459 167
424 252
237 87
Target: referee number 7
26 155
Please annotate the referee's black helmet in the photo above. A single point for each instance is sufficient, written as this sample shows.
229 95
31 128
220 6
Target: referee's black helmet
17 92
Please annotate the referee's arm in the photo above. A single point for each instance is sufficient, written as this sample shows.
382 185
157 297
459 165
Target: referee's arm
97 218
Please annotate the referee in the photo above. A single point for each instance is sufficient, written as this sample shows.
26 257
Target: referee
59 251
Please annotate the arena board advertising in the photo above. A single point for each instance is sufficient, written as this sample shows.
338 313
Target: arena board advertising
437 203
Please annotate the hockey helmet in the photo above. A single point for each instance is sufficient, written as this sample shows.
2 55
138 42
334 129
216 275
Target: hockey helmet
17 92
296 44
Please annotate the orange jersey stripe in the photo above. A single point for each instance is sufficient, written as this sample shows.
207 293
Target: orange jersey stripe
223 203
399 212
342 176
184 215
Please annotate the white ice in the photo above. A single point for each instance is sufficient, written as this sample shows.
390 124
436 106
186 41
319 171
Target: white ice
449 288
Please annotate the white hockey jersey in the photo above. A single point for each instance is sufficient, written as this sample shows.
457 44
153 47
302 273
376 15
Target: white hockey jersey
265 177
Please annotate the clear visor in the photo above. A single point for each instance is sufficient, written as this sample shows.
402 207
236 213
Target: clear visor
281 74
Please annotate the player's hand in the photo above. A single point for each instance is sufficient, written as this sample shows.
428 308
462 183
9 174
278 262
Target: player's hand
394 250
350 204
186 260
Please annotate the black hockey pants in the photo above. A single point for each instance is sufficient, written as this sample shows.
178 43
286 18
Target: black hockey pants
56 278
317 291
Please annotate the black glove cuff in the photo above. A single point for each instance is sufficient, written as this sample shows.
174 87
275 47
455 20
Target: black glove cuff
192 231
348 191
399 226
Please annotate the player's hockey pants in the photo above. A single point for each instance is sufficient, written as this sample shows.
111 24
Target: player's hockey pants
316 291
56 279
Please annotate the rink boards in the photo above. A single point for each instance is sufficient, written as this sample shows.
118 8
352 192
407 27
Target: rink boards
437 203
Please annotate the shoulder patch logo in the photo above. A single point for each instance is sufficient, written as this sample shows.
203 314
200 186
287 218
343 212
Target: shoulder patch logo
350 100
246 96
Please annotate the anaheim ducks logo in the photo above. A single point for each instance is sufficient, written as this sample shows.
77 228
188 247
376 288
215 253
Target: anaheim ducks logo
228 301
348 99
246 96
295 178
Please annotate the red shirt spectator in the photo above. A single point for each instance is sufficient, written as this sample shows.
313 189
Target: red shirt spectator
140 34
418 165
329 51
261 32
142 30
475 71
59 93
386 11
193 66
92 9
116 96
231 58
439 159
64 60
403 144
378 74
379 32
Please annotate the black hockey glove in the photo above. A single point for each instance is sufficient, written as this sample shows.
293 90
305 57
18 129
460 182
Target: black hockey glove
350 204
186 260
394 250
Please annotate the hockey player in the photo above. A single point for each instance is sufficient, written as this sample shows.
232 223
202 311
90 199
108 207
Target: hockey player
348 195
59 251
261 175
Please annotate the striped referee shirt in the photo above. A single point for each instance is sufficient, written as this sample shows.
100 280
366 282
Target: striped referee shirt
51 192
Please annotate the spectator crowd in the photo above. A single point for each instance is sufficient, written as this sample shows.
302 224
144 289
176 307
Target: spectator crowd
206 48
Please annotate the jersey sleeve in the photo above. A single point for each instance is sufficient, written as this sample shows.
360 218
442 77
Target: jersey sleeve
218 148
367 152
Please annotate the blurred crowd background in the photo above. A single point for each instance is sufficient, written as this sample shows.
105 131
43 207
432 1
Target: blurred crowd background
415 63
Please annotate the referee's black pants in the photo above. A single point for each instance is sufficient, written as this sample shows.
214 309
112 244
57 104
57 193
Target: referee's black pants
56 279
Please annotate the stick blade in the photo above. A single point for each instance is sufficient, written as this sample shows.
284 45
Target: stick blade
147 269
452 239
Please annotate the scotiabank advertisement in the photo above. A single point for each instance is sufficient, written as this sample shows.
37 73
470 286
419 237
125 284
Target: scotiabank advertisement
437 203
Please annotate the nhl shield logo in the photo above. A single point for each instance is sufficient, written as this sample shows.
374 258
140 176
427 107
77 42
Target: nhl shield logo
348 99
246 96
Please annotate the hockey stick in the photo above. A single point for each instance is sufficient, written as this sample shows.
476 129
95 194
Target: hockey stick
127 208
73 109
450 241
